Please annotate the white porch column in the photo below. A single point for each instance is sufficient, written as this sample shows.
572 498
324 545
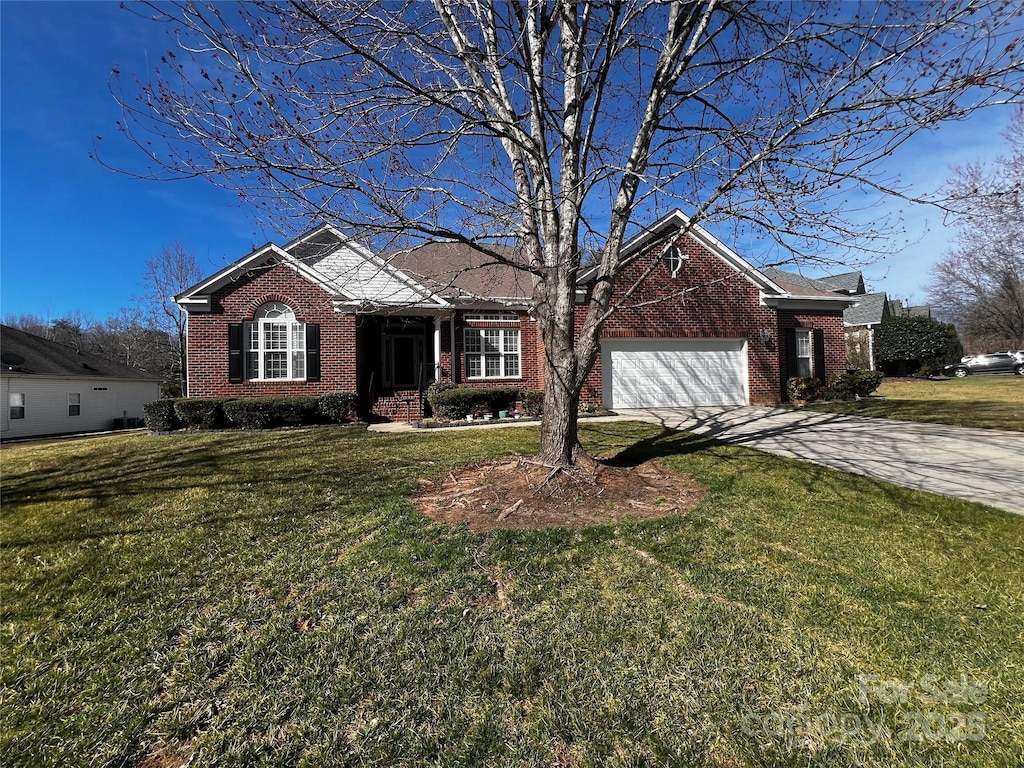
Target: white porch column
437 347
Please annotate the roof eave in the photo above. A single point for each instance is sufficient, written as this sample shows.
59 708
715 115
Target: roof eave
676 221
795 301
206 288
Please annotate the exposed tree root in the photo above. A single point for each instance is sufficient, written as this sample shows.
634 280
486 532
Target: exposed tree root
547 495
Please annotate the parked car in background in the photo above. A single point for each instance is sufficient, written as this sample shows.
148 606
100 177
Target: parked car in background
994 362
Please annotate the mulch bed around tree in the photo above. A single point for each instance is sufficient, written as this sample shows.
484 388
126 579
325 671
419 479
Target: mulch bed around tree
521 493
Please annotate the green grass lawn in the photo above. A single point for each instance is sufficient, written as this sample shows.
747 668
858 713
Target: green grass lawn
273 599
989 402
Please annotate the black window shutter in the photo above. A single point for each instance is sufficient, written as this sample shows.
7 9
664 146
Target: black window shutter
791 365
312 352
235 353
818 348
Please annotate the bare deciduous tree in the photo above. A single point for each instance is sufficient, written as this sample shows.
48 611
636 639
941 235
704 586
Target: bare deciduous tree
123 336
556 124
167 274
980 281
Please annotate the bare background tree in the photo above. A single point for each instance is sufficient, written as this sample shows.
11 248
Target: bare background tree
557 125
167 274
979 284
149 335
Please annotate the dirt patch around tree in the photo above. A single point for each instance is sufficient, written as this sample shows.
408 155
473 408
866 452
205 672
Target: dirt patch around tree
521 493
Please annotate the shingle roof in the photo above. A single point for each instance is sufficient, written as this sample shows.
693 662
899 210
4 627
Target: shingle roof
25 353
781 276
799 289
851 283
848 282
871 309
796 284
459 271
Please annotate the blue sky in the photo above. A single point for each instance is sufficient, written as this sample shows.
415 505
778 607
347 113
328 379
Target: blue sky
74 236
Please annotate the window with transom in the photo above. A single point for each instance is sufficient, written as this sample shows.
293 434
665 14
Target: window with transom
275 344
492 353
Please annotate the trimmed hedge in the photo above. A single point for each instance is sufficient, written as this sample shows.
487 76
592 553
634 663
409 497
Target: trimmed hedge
296 411
855 383
840 386
159 415
200 413
533 402
339 407
251 412
450 402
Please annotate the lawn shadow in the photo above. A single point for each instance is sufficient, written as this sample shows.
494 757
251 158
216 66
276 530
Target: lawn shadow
667 442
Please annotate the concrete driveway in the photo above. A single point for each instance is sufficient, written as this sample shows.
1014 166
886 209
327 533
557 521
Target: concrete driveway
981 465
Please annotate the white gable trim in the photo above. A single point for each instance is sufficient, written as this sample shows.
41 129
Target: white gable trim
677 221
368 255
198 298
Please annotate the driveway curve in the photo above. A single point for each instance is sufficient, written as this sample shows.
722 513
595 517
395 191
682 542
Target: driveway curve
980 465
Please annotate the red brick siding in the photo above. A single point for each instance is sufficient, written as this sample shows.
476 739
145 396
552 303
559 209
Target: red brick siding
721 304
831 323
236 303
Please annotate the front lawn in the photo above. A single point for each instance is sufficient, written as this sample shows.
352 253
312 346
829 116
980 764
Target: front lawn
988 402
273 599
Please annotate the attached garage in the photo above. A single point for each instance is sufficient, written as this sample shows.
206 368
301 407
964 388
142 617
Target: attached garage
673 373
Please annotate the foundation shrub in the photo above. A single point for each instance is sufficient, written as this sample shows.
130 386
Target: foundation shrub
200 413
159 415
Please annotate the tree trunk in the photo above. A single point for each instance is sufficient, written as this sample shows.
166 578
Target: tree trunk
567 362
553 301
559 434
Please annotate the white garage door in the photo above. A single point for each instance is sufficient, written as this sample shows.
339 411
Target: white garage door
670 373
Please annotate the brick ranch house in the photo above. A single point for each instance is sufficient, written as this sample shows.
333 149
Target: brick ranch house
323 313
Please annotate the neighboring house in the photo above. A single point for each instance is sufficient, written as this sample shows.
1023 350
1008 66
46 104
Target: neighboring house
323 313
49 388
898 309
860 319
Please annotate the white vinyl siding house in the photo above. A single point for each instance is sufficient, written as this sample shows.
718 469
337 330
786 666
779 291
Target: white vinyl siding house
48 388
47 404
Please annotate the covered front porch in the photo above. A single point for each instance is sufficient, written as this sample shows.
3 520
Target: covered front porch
398 358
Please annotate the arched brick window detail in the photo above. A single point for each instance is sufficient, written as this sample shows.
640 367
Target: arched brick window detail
274 346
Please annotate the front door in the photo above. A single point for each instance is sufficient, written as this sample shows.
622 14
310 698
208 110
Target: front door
403 361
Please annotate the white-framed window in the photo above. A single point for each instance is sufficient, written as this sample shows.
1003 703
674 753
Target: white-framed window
16 403
74 403
493 318
492 353
803 352
672 258
275 344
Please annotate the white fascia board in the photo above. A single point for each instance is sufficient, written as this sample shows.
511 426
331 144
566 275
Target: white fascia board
793 301
229 272
371 308
677 221
195 304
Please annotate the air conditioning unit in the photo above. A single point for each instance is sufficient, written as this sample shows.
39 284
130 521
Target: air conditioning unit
126 422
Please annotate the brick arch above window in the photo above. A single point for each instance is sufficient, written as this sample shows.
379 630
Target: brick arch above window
273 298
274 344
